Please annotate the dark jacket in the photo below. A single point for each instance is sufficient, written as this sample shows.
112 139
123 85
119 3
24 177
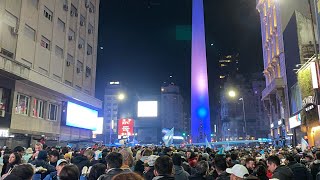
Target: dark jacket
315 168
283 173
149 175
197 177
163 177
299 171
139 167
180 173
110 173
223 176
44 164
51 176
80 161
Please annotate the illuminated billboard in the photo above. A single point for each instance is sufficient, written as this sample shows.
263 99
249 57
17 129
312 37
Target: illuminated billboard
99 126
147 108
295 121
125 127
81 117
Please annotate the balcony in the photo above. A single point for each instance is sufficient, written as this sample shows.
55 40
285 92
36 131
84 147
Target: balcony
277 83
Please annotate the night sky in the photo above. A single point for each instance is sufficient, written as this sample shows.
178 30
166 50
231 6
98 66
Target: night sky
141 50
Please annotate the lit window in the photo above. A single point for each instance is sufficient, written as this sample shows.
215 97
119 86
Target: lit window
22 104
29 32
222 65
38 108
52 112
221 77
45 43
47 13
61 25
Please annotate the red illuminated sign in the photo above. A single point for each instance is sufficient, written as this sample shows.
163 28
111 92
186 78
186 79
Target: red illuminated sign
125 127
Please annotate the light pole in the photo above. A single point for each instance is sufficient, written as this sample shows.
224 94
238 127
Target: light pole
232 94
120 97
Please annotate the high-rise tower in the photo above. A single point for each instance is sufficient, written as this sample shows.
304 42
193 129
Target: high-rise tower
200 115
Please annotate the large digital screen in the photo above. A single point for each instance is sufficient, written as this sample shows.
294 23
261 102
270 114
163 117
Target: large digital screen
147 108
99 126
295 121
125 127
81 117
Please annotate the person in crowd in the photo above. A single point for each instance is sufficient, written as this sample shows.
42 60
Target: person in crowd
279 171
193 160
80 161
69 172
315 166
127 159
96 171
5 163
44 168
114 162
201 170
20 150
37 148
149 167
14 160
163 168
261 172
234 158
250 164
54 175
139 167
238 172
128 176
90 156
27 155
179 172
220 166
21 172
53 157
299 171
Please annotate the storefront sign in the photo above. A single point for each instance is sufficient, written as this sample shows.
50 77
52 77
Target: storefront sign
308 100
295 121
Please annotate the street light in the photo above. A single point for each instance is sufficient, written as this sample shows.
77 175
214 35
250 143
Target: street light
121 96
232 94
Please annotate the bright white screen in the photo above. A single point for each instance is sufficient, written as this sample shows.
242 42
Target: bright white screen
81 117
99 126
147 108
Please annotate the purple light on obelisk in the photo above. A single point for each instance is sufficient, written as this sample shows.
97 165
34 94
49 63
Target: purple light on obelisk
200 114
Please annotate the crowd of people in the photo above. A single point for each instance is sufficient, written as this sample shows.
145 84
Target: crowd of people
159 163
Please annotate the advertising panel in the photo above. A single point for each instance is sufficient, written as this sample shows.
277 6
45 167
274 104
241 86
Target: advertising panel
81 117
147 108
125 127
295 121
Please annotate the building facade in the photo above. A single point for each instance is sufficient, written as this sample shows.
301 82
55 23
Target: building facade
171 106
47 57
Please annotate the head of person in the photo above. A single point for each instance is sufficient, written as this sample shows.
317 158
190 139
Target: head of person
20 150
38 147
260 170
250 163
220 163
89 154
128 176
43 155
233 156
127 157
309 158
60 164
290 158
69 172
238 172
146 152
273 162
114 160
96 171
14 158
22 171
54 156
202 168
176 159
163 166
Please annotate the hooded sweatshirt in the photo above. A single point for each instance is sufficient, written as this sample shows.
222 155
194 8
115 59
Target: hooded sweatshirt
283 173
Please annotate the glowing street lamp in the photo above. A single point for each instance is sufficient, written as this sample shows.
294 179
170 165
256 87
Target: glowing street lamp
121 96
232 93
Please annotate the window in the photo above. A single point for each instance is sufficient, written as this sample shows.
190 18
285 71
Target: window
89 49
59 52
74 11
52 112
79 67
88 71
91 8
61 25
81 43
90 29
38 108
82 20
71 34
45 42
70 60
29 32
47 13
68 82
22 104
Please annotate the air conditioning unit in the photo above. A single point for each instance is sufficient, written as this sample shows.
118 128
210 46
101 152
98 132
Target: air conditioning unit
81 23
80 46
76 14
14 31
87 4
89 31
65 7
91 10
89 52
71 13
68 63
70 38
